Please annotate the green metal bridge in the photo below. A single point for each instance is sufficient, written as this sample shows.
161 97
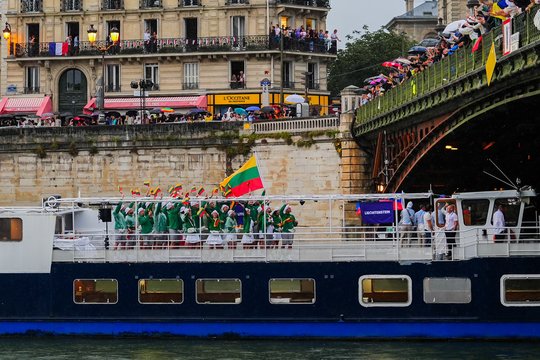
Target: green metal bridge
416 115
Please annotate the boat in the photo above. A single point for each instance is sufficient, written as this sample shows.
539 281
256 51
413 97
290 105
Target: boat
344 277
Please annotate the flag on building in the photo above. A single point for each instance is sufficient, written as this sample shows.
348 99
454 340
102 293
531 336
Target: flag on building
58 49
243 181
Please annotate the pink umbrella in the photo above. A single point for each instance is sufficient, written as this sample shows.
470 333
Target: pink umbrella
391 64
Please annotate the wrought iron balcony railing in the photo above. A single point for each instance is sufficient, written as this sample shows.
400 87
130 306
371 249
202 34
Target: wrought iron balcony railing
71 5
288 84
189 3
150 4
313 85
112 5
168 46
31 6
190 85
236 2
308 3
31 90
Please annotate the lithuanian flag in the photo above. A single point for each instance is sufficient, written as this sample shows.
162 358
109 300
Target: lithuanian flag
244 180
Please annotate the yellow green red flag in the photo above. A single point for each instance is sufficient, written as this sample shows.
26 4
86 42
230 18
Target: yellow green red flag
244 180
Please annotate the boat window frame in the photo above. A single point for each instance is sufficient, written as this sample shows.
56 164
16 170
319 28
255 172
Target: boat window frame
218 303
514 277
385 304
446 278
314 300
97 303
10 220
160 303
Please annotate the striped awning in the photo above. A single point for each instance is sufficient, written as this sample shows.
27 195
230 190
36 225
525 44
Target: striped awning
26 105
174 102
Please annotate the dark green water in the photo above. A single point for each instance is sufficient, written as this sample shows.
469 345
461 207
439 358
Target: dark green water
144 348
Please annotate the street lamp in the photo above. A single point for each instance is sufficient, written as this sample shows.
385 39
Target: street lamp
114 36
7 35
143 85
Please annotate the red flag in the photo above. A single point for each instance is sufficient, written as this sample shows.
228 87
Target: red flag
477 44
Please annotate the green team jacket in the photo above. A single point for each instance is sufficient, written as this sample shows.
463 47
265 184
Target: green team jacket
214 225
230 225
189 223
173 217
146 222
119 218
288 221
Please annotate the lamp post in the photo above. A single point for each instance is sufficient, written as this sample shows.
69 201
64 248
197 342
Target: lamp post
143 85
92 35
7 35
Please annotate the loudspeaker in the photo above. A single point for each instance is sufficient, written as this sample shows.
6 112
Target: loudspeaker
104 215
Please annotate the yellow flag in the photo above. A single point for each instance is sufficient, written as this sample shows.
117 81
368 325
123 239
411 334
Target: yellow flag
490 63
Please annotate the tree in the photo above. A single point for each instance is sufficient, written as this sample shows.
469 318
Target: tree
363 56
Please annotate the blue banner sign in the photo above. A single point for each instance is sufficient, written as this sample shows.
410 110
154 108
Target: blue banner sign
377 212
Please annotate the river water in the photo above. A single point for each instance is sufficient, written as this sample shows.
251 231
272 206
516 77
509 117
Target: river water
54 348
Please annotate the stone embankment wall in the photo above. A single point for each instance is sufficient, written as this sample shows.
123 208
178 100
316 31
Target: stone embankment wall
94 161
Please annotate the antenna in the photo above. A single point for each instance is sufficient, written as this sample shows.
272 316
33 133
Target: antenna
507 181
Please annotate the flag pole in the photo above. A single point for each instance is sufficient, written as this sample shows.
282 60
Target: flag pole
260 175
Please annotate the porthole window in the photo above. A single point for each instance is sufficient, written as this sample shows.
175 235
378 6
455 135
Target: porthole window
385 290
95 291
161 291
292 291
219 291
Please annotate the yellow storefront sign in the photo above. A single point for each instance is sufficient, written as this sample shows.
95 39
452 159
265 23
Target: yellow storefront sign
237 99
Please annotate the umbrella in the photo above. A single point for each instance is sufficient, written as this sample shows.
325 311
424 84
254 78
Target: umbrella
403 61
370 79
417 50
295 99
391 64
268 109
96 113
132 112
197 112
46 115
167 110
113 113
66 114
155 111
454 26
253 108
240 111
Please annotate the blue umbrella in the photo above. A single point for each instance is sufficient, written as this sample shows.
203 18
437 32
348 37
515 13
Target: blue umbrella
240 111
253 108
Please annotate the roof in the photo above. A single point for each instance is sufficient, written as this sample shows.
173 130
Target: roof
426 10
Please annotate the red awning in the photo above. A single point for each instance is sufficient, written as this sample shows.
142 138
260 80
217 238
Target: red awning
26 105
174 102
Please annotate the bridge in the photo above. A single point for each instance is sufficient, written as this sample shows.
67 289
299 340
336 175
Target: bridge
400 129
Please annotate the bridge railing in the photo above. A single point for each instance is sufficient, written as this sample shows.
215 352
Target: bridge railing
454 67
297 125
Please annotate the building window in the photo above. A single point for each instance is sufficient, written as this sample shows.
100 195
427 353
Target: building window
238 30
151 72
73 80
71 5
311 24
219 291
95 291
161 291
145 4
113 78
238 75
292 291
189 2
284 21
385 290
10 229
447 290
191 76
113 5
32 5
32 80
520 290
474 212
287 76
312 77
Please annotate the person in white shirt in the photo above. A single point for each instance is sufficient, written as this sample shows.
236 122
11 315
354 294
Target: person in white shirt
406 224
450 227
428 225
499 224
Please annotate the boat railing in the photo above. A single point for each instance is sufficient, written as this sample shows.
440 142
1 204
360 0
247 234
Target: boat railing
307 244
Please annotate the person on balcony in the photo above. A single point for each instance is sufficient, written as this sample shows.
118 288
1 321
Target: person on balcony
146 40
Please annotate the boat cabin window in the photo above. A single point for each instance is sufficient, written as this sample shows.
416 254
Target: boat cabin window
292 291
10 229
439 213
219 291
520 290
385 290
95 291
447 290
512 208
161 291
475 212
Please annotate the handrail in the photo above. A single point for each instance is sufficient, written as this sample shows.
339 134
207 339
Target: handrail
296 125
455 67
169 46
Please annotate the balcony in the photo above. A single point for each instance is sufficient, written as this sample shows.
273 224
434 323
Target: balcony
31 6
190 85
236 2
31 90
189 3
324 4
237 84
113 88
71 5
112 5
256 43
312 85
288 84
151 4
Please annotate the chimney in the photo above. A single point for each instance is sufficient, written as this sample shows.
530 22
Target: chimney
409 4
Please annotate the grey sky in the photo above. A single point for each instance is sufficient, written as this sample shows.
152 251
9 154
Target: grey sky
350 15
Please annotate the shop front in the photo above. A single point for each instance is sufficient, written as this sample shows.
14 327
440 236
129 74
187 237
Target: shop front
19 105
219 103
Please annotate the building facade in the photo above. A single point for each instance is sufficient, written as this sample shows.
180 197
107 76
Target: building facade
417 22
193 51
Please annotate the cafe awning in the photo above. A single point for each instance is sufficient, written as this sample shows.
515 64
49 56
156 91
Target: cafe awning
26 105
173 102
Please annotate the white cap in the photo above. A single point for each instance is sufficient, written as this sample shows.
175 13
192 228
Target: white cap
141 210
215 212
230 212
409 204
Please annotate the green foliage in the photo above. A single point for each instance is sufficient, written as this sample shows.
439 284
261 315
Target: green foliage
363 56
93 150
40 152
73 151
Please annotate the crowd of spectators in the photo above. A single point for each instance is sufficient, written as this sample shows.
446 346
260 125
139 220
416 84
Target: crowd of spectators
459 34
303 39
